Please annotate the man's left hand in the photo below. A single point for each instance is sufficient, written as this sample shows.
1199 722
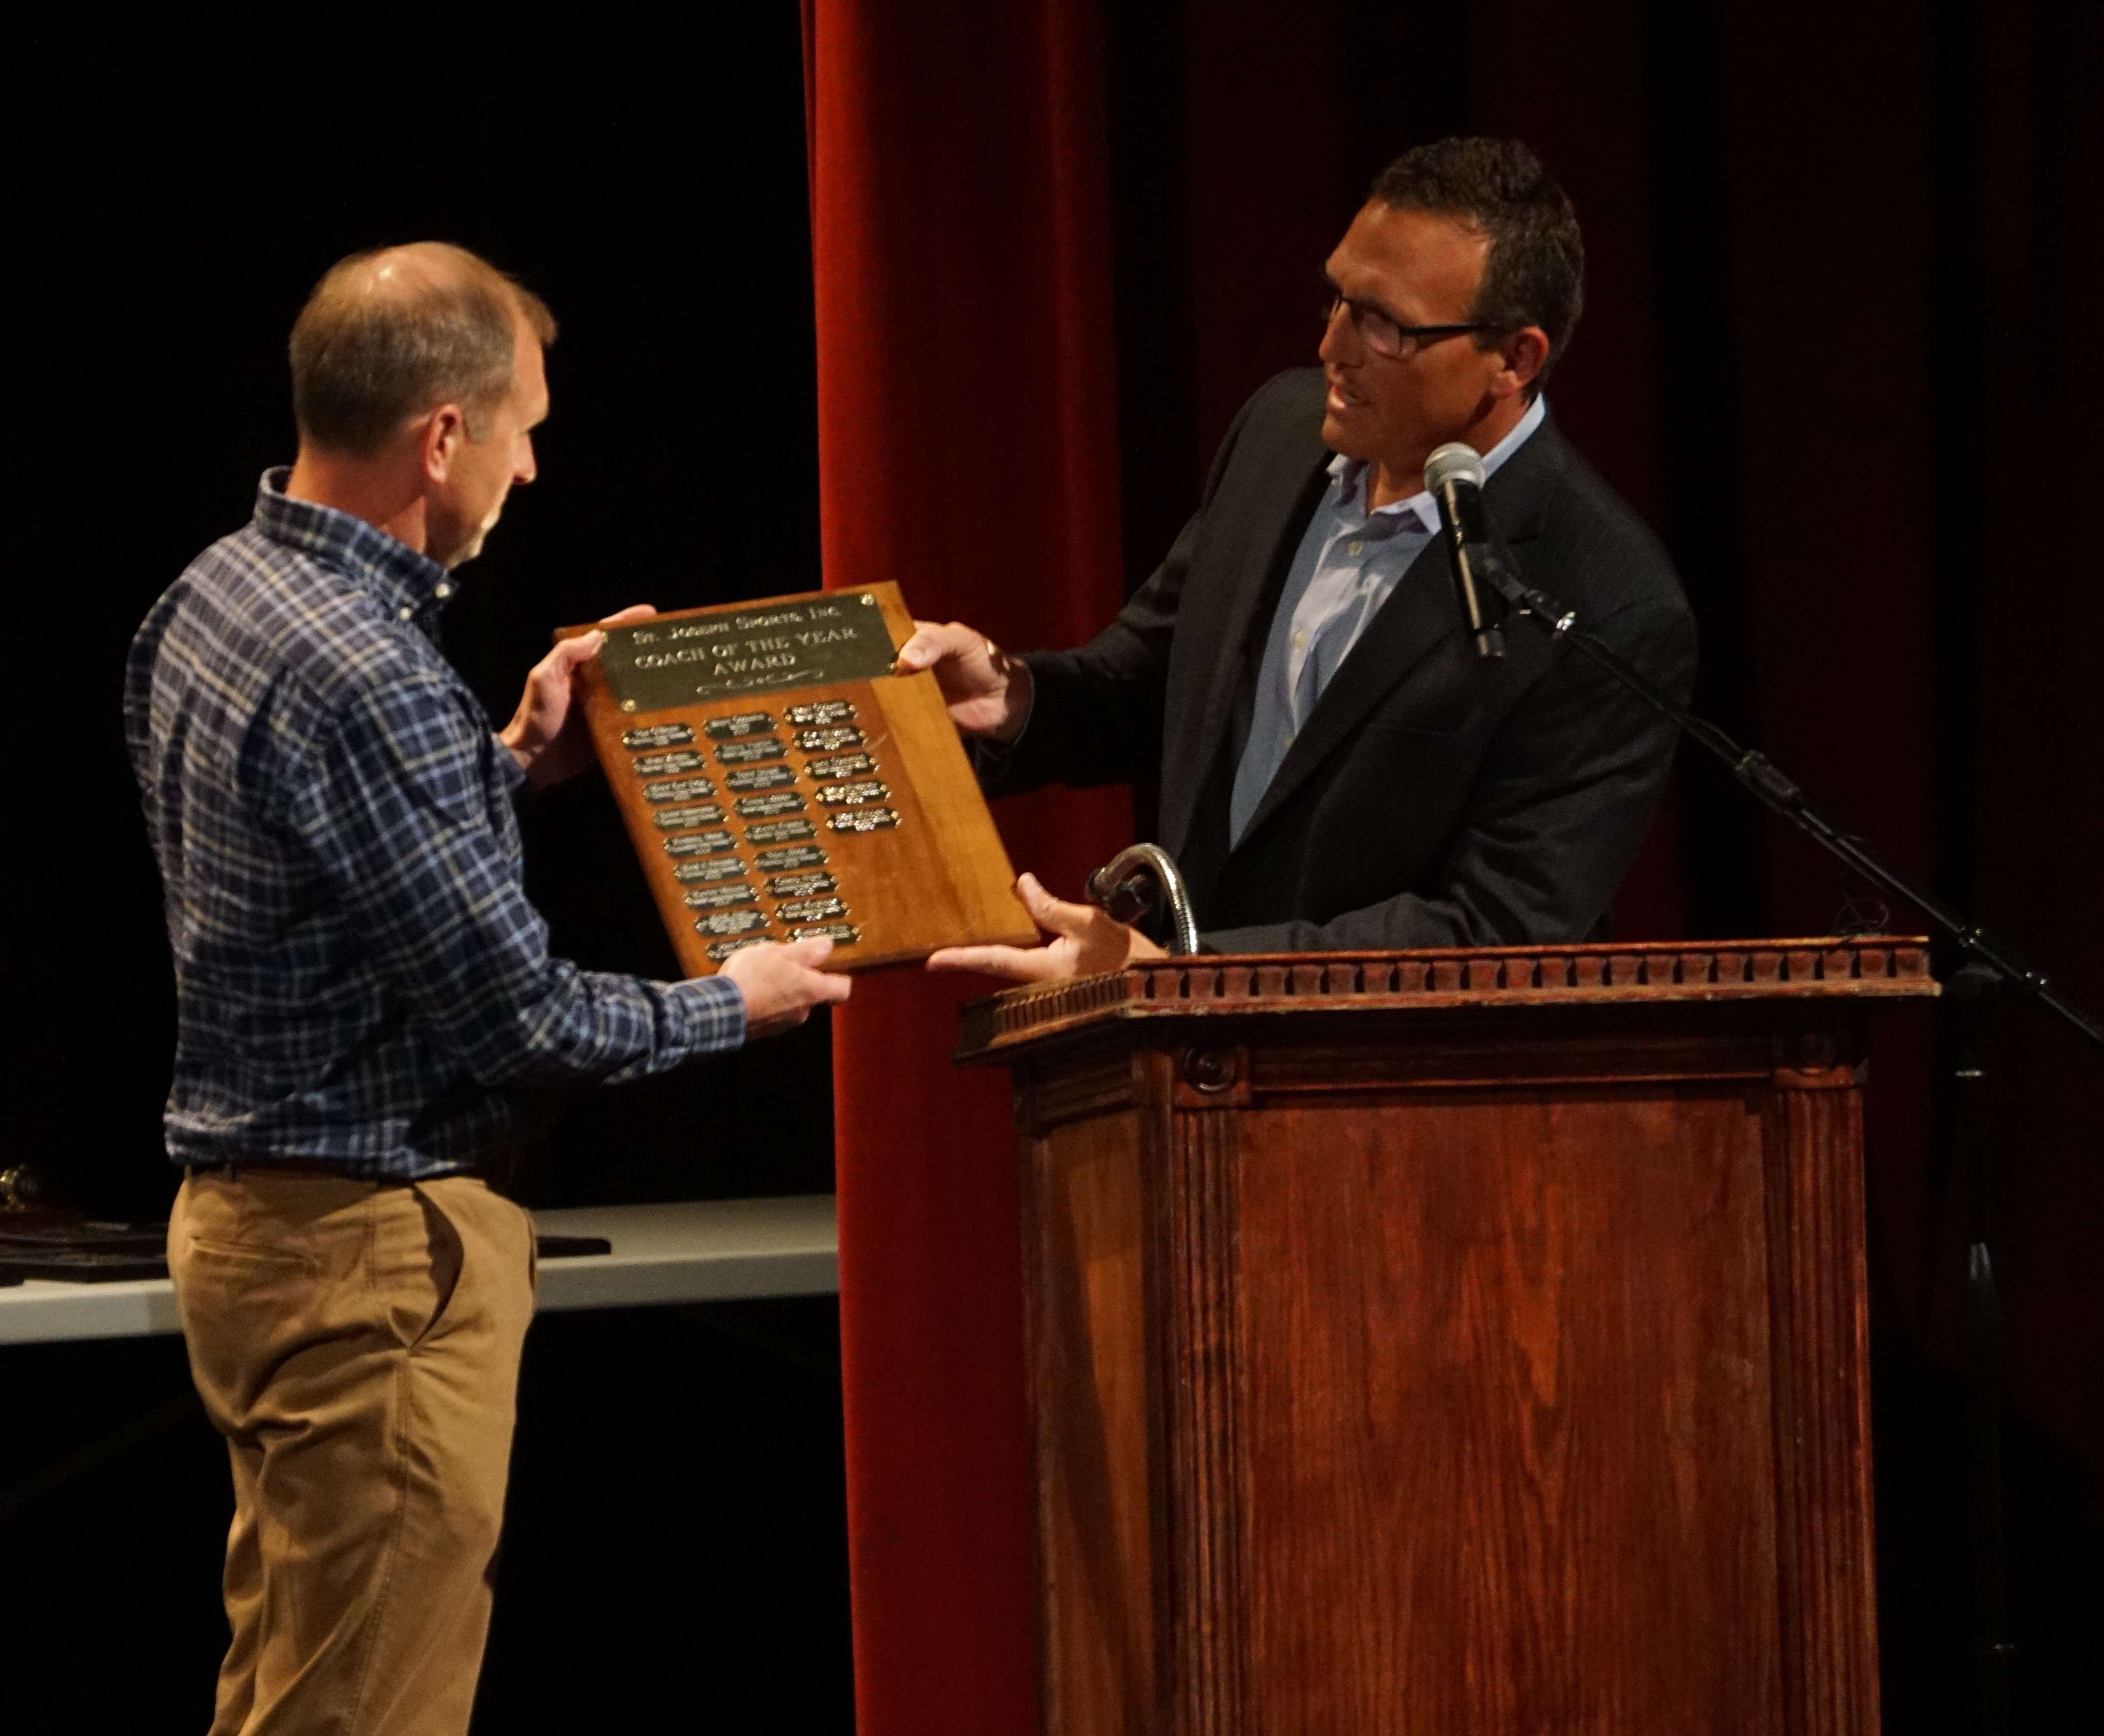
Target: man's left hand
546 733
1086 942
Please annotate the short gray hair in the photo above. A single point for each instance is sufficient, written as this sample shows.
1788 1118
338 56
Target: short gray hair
396 331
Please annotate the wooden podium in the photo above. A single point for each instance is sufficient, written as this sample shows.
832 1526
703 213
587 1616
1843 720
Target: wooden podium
1451 1342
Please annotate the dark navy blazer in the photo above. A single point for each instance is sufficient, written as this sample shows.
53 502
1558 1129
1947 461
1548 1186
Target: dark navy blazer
1431 798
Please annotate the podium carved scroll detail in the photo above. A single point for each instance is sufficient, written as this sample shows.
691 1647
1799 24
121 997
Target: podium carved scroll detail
1877 967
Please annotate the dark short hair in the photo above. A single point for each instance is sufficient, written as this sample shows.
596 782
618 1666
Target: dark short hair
1535 273
391 332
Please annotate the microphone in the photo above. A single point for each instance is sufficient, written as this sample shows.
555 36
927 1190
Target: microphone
1454 475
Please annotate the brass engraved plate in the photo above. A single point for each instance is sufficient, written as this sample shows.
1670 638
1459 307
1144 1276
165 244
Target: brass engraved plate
657 735
782 831
800 885
839 933
720 897
840 765
667 765
679 819
656 664
828 741
863 820
855 795
700 844
744 724
759 778
719 950
810 910
703 873
766 806
678 790
795 856
749 753
730 922
821 711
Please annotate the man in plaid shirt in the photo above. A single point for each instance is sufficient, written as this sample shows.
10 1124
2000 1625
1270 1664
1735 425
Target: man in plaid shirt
360 982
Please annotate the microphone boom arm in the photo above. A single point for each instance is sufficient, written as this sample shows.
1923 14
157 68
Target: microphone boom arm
1777 791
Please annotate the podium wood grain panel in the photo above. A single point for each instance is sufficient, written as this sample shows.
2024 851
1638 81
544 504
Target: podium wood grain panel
1455 1341
934 873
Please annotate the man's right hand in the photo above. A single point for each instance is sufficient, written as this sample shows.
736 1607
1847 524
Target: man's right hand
986 690
782 983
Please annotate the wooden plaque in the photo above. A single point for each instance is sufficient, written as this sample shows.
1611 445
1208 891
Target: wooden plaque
779 781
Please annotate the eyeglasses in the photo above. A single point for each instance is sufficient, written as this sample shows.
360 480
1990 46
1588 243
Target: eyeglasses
1384 336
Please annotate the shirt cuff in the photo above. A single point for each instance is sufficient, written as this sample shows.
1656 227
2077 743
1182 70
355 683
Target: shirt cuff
507 764
715 1010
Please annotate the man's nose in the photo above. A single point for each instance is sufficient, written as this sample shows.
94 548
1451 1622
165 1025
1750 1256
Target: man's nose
525 471
1337 343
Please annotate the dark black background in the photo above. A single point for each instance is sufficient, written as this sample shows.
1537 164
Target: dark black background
665 218
675 1544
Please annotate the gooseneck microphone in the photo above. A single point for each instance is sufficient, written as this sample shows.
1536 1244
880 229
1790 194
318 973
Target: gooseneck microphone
1454 475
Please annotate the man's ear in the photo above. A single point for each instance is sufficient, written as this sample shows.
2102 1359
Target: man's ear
1525 352
440 440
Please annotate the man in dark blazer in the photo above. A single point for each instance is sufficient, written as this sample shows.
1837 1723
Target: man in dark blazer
1339 769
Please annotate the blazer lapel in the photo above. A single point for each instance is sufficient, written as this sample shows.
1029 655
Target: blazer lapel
1216 656
1419 613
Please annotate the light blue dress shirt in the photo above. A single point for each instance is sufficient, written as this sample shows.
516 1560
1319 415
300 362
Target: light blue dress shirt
1346 566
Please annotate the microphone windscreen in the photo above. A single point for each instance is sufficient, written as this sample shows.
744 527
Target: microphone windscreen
1455 461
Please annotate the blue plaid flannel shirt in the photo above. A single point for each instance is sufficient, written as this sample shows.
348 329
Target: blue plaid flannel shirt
360 979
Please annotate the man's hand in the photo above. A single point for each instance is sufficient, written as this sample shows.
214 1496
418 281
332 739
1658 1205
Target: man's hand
1088 941
782 983
986 690
546 733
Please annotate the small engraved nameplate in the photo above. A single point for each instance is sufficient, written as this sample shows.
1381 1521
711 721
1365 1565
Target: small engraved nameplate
794 856
800 885
810 910
782 831
700 844
839 933
855 795
719 950
666 765
863 820
744 724
840 765
821 711
718 868
750 753
678 790
829 741
730 922
759 778
720 897
766 806
679 819
657 735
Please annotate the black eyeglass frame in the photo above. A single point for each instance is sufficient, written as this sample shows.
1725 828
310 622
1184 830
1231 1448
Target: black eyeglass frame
1361 312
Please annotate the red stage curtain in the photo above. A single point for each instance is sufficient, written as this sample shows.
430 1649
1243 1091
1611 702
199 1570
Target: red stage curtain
968 450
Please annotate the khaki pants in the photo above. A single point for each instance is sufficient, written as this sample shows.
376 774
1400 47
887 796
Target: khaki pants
359 1346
